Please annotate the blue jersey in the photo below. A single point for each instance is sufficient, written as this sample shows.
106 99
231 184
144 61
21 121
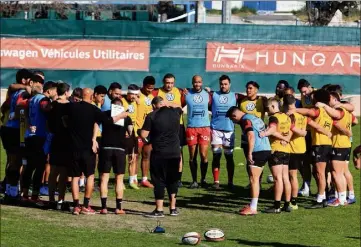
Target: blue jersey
221 102
197 109
260 143
14 123
36 117
107 104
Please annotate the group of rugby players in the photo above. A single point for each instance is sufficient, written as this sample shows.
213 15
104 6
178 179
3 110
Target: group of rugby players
52 136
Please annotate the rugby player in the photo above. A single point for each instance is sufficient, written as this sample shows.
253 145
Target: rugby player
341 144
291 91
253 104
297 144
279 131
114 91
281 87
11 136
198 102
35 136
112 154
60 152
222 129
172 96
98 100
143 109
306 91
321 144
76 95
130 105
259 151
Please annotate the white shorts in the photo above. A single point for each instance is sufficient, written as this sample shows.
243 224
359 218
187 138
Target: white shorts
224 138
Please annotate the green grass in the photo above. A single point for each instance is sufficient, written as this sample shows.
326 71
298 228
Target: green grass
200 209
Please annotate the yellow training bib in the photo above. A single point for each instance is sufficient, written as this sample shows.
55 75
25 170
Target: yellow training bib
143 109
340 140
283 127
174 96
298 143
325 121
254 107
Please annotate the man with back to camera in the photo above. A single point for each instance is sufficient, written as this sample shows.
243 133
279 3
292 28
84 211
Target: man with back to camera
59 151
35 137
297 144
82 117
279 131
162 127
10 134
341 146
259 151
321 144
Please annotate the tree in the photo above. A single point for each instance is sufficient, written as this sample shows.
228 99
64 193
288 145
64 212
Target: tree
320 13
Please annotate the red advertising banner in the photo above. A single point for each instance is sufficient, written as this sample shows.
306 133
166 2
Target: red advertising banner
75 54
284 59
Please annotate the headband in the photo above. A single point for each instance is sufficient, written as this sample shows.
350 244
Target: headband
133 91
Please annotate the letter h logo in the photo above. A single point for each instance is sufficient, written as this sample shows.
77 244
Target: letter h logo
236 54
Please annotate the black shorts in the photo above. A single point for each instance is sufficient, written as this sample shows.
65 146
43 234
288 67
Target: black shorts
82 162
308 139
260 158
164 171
182 135
109 158
279 158
341 154
11 139
321 153
131 143
60 158
34 146
296 161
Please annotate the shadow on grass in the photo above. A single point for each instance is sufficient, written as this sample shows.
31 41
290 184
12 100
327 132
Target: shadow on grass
224 200
244 242
357 238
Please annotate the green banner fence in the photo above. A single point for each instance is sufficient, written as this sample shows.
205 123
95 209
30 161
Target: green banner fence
180 49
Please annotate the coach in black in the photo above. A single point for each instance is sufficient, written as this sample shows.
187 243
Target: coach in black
162 127
82 117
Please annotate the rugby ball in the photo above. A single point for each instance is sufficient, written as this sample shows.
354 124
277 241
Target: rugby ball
270 179
191 238
214 235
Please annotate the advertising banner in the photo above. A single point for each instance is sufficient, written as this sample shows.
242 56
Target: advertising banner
75 54
283 59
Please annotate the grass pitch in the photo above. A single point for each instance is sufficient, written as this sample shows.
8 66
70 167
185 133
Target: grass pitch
199 210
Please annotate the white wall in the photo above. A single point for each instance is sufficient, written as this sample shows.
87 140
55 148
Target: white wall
289 5
234 4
